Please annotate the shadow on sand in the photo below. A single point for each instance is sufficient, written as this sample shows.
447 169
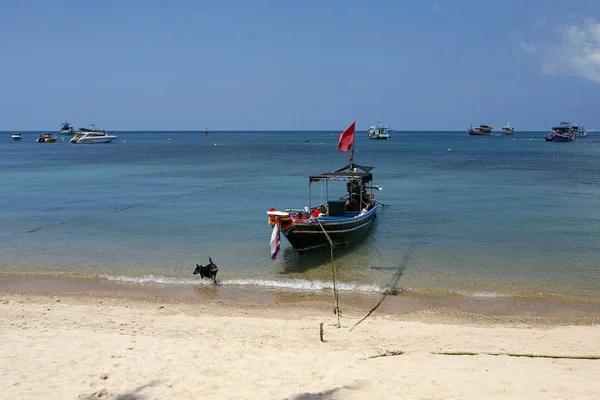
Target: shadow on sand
133 395
336 393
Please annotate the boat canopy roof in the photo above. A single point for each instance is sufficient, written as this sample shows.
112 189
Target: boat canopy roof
351 172
560 127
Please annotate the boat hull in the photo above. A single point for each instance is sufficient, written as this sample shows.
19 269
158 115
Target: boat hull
309 235
46 140
560 138
379 137
93 139
476 133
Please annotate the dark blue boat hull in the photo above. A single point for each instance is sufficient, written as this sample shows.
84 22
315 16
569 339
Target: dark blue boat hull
306 236
560 138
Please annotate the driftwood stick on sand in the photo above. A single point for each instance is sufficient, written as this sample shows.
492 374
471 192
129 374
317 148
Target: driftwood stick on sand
321 332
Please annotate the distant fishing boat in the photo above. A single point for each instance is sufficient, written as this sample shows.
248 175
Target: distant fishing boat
378 132
580 131
481 130
508 129
16 136
66 129
563 132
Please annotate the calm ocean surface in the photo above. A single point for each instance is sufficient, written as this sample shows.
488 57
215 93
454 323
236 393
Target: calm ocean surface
478 216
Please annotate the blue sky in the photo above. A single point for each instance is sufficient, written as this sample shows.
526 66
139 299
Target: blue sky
300 65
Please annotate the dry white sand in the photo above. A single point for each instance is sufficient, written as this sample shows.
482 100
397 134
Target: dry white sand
115 347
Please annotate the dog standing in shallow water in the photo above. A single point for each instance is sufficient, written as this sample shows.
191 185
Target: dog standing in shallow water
207 271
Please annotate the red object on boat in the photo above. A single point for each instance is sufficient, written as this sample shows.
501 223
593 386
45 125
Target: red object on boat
346 138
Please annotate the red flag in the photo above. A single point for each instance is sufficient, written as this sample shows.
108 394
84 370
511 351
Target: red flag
346 138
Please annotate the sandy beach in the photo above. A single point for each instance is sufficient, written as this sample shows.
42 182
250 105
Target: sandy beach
119 345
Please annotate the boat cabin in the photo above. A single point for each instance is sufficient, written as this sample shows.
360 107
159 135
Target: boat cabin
357 196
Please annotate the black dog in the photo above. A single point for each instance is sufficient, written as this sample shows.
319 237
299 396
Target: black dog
207 271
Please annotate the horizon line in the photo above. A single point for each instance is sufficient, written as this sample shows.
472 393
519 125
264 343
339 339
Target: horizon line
266 130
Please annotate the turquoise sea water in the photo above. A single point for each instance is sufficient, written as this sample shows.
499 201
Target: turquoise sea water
479 216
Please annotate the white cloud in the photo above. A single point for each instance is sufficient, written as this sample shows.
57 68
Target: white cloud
577 53
527 47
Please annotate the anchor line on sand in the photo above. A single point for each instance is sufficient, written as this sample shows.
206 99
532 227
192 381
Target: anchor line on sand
391 286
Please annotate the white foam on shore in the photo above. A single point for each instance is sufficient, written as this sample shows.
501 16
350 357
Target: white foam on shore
482 294
300 284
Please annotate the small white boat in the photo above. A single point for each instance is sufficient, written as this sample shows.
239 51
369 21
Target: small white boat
92 138
16 136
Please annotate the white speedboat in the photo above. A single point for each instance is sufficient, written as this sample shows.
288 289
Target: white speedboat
16 136
92 138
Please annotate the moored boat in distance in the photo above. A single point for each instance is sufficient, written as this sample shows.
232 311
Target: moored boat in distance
46 138
580 130
378 131
481 130
312 226
16 136
92 128
563 132
92 138
507 129
66 129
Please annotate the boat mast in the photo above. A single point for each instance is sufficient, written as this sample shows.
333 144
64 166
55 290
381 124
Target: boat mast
353 169
351 165
309 194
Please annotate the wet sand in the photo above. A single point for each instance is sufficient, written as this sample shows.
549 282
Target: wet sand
544 310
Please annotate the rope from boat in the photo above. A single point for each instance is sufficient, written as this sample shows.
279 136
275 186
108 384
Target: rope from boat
391 287
336 308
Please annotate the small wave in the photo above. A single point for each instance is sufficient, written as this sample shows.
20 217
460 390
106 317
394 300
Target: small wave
300 284
482 294
34 273
153 279
304 285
